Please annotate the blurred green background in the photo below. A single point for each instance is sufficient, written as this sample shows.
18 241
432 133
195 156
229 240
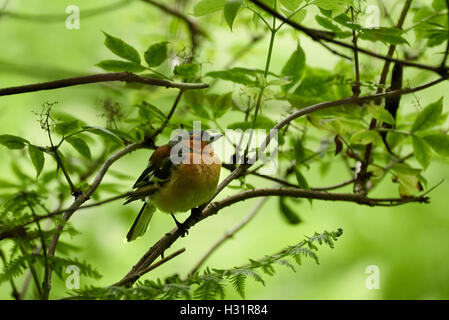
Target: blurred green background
409 244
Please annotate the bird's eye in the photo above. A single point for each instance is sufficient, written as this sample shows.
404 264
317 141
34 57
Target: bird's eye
179 139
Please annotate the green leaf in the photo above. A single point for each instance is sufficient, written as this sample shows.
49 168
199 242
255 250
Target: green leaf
295 66
37 158
119 66
234 75
405 169
300 153
208 6
336 6
291 5
221 105
409 185
230 10
66 127
13 142
381 114
439 143
156 54
287 212
421 151
103 132
121 48
327 23
365 137
149 111
302 182
428 116
388 35
299 16
187 70
439 5
81 146
436 38
317 85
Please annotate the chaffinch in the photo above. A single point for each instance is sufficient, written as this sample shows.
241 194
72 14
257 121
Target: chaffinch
180 176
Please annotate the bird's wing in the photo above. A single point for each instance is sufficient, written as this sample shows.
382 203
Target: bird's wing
156 174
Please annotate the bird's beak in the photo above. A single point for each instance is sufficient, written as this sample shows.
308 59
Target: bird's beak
214 137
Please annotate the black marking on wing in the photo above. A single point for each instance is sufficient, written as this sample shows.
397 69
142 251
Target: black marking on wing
155 175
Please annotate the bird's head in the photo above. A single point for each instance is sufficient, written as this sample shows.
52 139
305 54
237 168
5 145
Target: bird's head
190 137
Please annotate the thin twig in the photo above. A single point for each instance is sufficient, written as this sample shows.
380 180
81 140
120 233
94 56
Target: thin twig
356 85
229 234
80 200
43 245
152 267
194 29
127 77
170 114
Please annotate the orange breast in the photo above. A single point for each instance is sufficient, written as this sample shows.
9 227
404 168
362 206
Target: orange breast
189 186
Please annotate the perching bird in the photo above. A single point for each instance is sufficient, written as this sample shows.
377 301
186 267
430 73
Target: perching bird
180 176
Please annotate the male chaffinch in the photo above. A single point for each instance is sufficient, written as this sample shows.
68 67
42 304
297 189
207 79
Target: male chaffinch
180 176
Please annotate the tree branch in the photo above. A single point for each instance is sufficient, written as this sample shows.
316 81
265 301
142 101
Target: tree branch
318 35
230 234
55 18
360 182
209 208
152 267
213 208
80 200
194 29
170 114
127 77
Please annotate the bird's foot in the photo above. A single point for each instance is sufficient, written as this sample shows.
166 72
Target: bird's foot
181 227
196 214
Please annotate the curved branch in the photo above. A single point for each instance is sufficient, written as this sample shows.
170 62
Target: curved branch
54 18
79 201
209 208
213 208
194 29
127 77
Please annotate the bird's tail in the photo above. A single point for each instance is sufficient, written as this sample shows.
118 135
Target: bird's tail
141 223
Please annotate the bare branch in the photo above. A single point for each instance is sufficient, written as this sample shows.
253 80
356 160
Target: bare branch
359 185
318 35
152 267
127 77
80 200
194 29
170 114
213 208
55 18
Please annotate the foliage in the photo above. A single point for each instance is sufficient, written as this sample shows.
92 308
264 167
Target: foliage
211 284
391 148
